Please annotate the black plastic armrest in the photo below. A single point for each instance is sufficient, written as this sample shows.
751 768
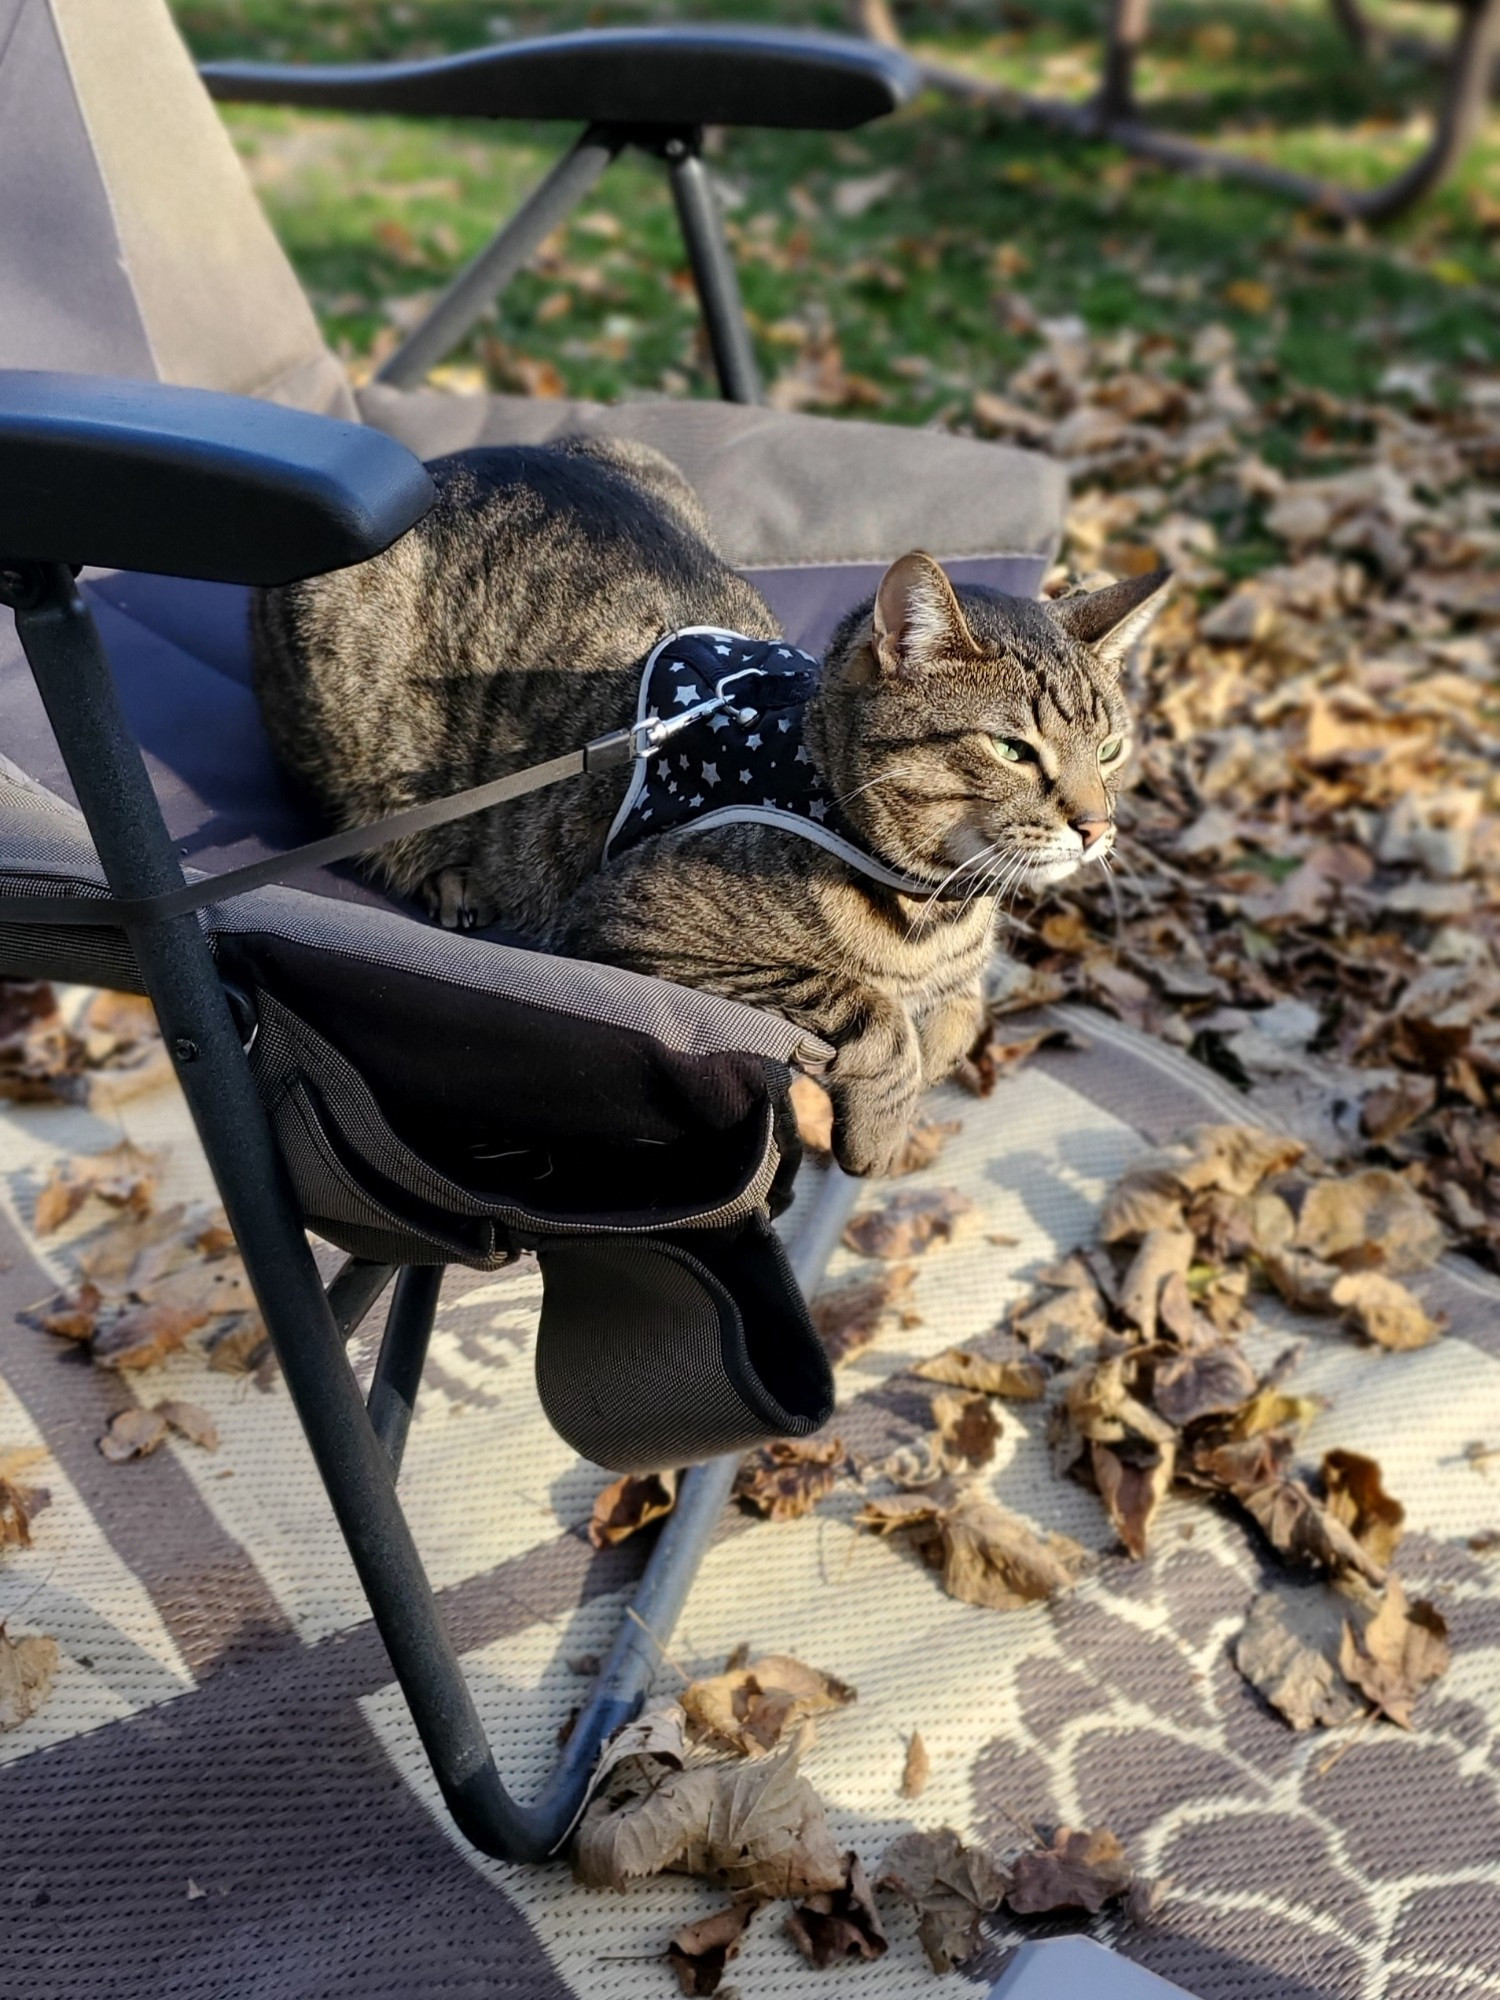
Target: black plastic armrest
622 77
186 482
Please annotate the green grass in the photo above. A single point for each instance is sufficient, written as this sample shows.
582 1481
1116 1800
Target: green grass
987 223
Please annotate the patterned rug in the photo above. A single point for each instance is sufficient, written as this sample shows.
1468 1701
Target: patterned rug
223 1794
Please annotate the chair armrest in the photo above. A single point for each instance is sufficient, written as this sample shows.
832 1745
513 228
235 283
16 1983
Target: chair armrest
610 76
186 482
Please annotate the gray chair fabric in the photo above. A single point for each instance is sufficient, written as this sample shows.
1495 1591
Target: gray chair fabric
130 240
783 491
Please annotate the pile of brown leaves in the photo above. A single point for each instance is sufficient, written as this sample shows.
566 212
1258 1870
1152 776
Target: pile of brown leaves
1155 1386
1308 895
112 1051
710 1785
149 1279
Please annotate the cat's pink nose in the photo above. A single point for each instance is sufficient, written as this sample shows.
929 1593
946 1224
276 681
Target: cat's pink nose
1091 830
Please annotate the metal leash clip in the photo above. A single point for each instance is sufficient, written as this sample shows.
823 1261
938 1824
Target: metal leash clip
648 735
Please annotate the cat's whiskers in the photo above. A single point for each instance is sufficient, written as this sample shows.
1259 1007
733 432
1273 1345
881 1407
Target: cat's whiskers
974 860
880 778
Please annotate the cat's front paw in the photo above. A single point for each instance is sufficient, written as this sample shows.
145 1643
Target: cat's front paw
449 899
872 1152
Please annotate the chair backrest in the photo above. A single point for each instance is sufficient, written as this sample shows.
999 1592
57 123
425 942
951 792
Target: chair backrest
131 242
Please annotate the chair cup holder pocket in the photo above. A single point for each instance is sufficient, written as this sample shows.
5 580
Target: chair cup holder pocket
664 1350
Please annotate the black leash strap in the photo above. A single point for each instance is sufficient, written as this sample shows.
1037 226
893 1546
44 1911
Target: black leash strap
112 912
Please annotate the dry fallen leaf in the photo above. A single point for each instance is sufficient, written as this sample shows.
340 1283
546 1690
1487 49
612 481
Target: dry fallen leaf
1215 1381
1022 1381
993 1056
143 1335
238 1345
26 1670
1370 1219
849 1318
1081 1870
750 1709
1299 1528
757 1829
910 1223
952 1888
986 1555
1353 1493
40 1060
113 1255
699 1952
19 1503
840 1924
1271 1409
1288 1651
191 1422
1067 1326
813 1109
1303 1281
1163 1254
785 1480
917 1769
967 1429
1133 1478
73 1315
924 1142
124 1176
1401 1651
1385 1310
134 1433
628 1504
210 1287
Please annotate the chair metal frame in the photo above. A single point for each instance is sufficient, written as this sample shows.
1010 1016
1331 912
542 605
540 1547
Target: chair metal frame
357 1442
1113 114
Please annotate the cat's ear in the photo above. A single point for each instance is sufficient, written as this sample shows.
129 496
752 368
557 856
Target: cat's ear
1113 620
917 618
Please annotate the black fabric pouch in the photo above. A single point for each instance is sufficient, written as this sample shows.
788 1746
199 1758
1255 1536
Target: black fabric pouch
658 1351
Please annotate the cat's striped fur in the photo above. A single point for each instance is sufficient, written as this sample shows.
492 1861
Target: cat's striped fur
960 730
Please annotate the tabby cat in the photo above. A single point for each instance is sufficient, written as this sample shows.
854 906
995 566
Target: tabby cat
966 741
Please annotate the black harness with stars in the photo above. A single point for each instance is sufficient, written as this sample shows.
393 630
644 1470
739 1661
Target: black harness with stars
729 713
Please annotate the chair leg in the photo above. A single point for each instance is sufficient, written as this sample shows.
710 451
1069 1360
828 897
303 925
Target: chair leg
354 1291
713 270
104 762
398 1368
508 251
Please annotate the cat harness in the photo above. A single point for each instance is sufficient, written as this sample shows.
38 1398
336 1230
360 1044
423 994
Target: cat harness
718 741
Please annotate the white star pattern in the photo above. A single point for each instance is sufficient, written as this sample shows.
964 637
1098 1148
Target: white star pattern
779 778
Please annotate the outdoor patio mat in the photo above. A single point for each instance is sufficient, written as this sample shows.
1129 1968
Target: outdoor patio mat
223 1795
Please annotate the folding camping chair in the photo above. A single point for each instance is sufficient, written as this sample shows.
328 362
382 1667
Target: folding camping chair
343 1059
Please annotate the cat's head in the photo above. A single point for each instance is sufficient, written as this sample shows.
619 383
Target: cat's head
969 731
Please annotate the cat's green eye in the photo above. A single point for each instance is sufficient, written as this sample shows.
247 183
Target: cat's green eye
1111 749
1013 753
